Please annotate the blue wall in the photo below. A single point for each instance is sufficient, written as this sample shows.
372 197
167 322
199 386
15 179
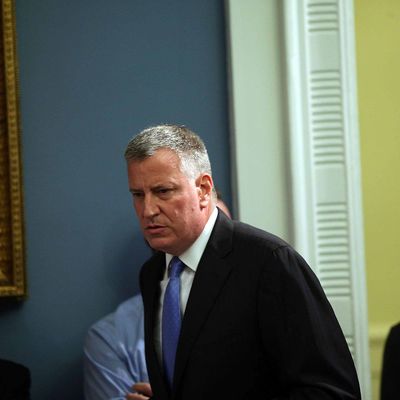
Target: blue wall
93 73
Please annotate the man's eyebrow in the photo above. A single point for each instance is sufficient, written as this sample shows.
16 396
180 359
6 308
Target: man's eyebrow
155 187
162 186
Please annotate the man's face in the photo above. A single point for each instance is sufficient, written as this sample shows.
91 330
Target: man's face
169 205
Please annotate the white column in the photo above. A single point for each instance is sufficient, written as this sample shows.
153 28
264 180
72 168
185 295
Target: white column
328 227
261 153
301 179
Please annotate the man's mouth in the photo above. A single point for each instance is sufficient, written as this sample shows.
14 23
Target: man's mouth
155 229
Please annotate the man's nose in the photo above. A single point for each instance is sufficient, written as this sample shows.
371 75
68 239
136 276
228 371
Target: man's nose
150 206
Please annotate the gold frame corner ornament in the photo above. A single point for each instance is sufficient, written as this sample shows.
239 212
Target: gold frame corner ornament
12 257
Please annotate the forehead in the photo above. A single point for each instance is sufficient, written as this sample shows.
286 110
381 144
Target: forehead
163 164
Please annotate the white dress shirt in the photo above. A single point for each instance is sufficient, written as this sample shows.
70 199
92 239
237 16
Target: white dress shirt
191 258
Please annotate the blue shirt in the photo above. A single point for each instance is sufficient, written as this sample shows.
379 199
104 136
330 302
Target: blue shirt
114 358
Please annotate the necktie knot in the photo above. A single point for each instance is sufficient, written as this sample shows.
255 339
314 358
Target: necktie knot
176 267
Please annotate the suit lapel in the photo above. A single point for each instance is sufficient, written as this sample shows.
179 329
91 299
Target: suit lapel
211 275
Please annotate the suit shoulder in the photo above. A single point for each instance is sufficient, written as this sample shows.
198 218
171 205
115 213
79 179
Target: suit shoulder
394 335
395 329
261 245
252 236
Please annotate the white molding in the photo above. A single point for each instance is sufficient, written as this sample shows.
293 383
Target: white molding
319 207
325 160
256 91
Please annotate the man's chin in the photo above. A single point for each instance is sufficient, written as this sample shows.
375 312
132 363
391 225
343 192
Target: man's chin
158 244
165 246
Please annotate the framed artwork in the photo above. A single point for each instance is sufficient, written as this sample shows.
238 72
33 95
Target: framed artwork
12 260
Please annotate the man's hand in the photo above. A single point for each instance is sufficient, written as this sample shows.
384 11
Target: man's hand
141 391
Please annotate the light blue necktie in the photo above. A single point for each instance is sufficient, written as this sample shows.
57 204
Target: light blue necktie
171 318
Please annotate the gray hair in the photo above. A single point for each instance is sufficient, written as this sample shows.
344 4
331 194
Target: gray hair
182 141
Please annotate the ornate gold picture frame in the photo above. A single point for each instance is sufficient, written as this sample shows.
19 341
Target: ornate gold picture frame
12 268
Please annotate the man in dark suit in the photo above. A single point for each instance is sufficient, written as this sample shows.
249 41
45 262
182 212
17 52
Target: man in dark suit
15 381
390 384
252 319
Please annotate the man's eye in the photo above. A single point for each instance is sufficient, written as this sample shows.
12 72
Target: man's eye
137 195
164 192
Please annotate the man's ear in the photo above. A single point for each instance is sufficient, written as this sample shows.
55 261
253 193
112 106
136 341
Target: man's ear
205 186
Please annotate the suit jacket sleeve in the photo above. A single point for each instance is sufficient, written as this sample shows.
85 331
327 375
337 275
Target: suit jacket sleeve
305 340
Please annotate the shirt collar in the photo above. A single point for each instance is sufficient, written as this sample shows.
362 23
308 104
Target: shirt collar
191 257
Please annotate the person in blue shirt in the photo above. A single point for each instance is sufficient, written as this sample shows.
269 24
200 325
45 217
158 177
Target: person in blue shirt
114 358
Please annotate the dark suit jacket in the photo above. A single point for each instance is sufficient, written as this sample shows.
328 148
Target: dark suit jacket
390 383
257 325
15 381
